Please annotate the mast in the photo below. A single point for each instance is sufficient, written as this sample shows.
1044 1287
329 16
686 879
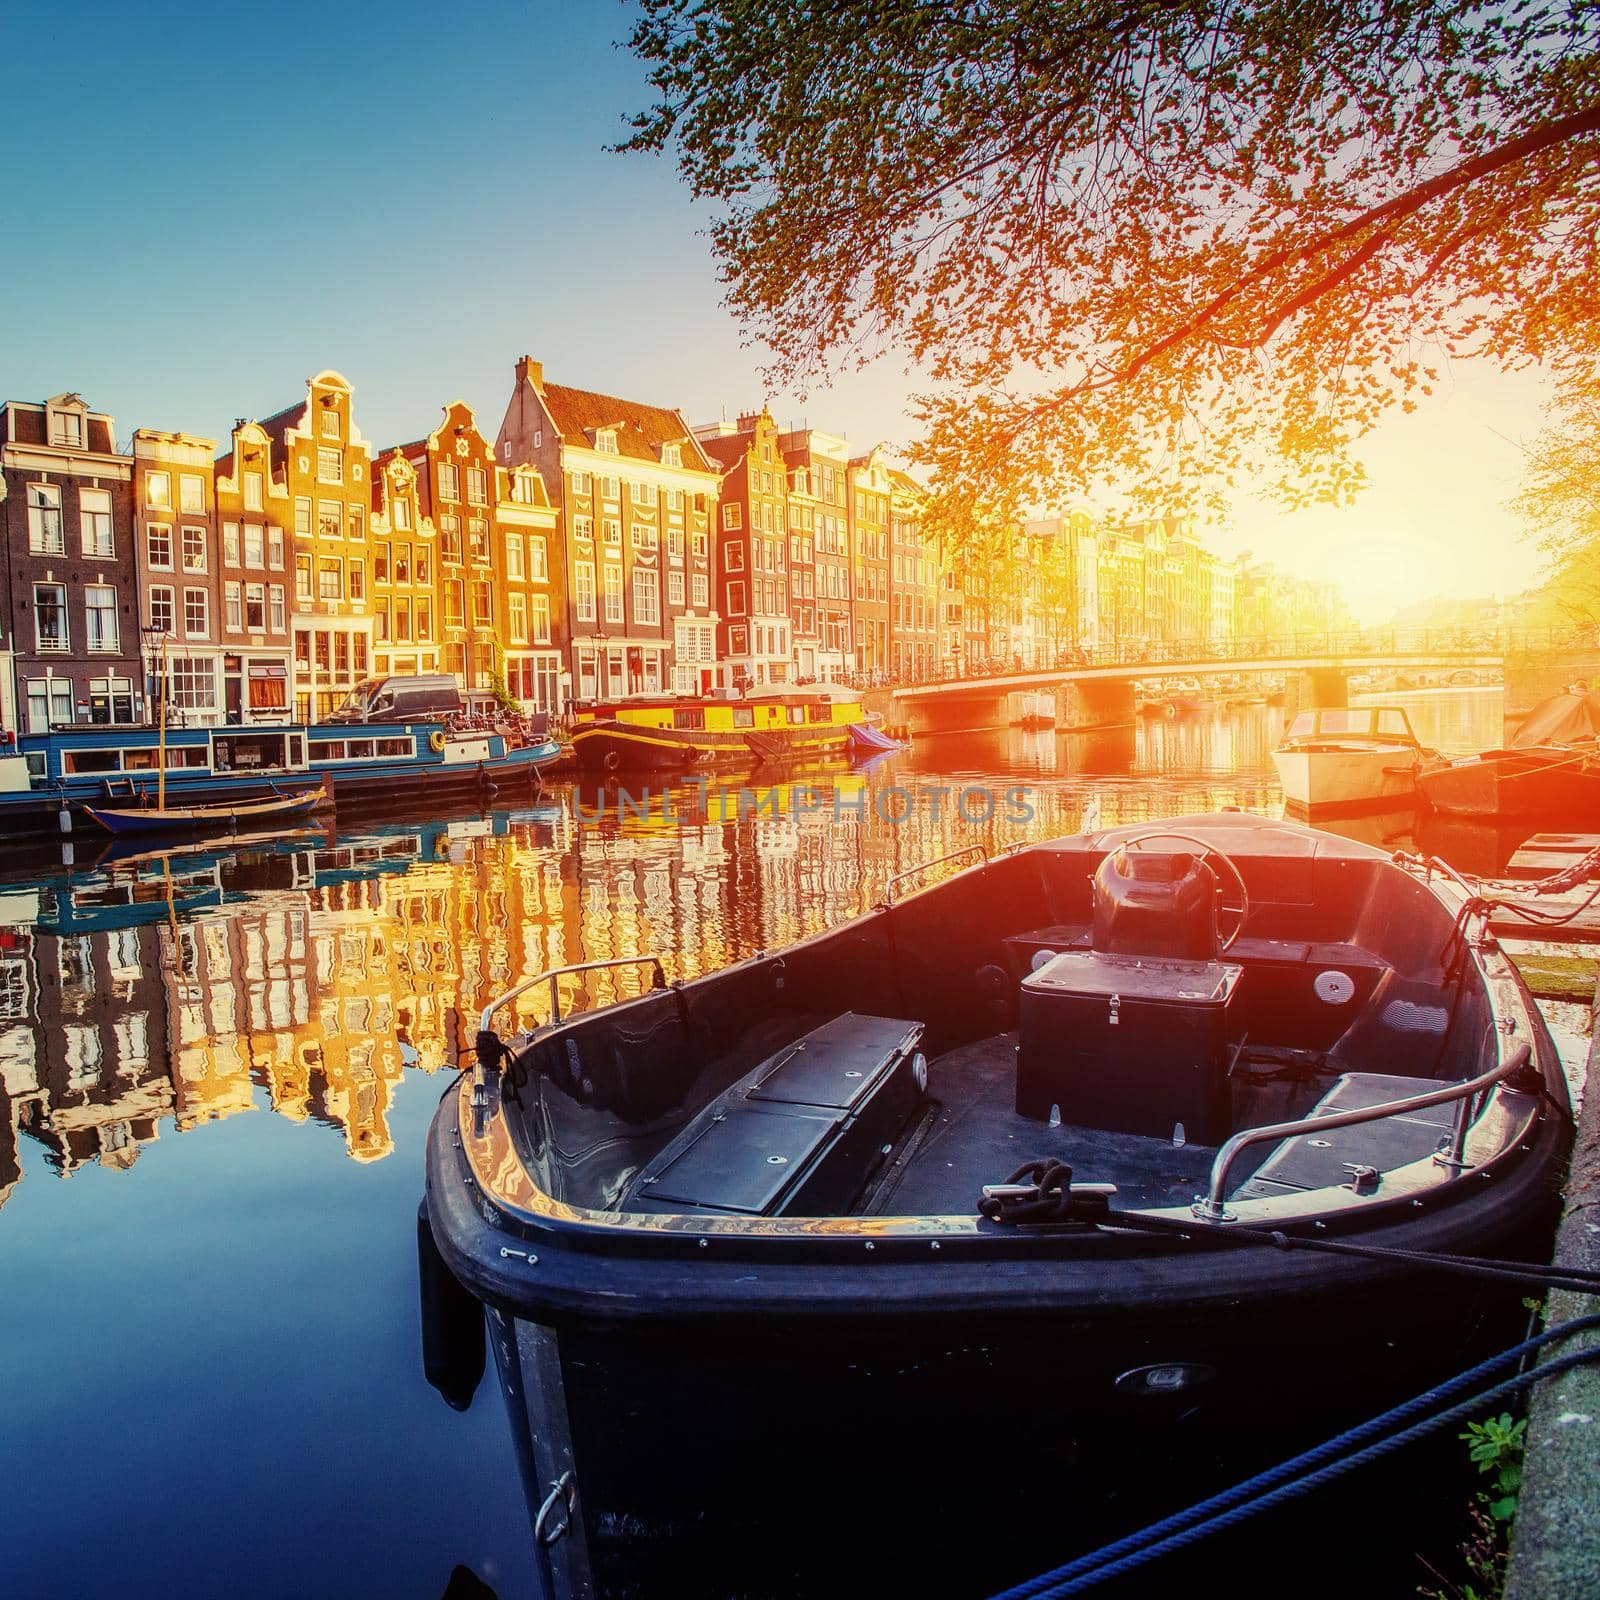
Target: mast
161 737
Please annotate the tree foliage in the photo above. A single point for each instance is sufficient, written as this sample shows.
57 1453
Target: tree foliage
1559 502
1158 243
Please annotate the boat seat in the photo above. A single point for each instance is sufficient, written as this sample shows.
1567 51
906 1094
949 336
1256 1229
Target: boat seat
1319 1161
798 1135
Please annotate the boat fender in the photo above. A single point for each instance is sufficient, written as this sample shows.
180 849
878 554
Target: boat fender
436 741
611 760
452 1324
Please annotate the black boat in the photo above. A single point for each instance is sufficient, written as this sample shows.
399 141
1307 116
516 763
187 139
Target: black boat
775 1222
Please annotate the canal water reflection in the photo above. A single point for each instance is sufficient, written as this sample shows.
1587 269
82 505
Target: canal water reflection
214 1324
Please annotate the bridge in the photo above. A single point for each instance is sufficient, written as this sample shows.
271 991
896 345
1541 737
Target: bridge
1095 688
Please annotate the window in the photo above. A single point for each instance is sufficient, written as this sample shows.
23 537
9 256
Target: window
255 607
330 466
94 518
252 491
302 577
697 543
163 610
196 613
449 481
675 543
44 520
583 590
230 544
330 579
646 596
275 547
400 555
450 538
66 428
700 589
158 547
674 588
733 515
644 536
278 619
355 523
100 609
402 514
455 612
736 598
583 527
191 493
540 604
519 618
482 605
330 422
194 549
672 456
610 487
424 617
192 684
233 606
50 615
642 494
158 491
328 519
733 558
380 621
538 562
302 515
478 538
514 549
580 483
402 621
738 642
477 486
612 577
605 441
254 539
611 531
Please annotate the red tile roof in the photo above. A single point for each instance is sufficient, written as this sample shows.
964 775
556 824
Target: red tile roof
641 429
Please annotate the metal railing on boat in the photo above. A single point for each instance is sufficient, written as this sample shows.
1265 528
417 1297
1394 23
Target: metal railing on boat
554 974
1212 1206
922 866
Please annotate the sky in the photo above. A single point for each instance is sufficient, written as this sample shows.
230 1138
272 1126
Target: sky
214 203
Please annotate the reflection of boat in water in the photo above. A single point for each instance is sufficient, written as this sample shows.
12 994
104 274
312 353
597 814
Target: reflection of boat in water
1035 710
784 1199
1349 757
669 733
1549 773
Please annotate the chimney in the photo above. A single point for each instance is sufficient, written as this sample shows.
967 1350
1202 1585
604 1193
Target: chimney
530 371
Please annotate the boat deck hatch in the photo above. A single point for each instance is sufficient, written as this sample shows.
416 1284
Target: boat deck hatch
1319 1161
797 1135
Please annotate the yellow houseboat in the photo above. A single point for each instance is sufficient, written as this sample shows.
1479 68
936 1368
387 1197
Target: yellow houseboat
665 733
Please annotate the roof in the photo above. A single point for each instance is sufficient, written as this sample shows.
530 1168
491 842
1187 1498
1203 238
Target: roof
727 449
641 429
1564 718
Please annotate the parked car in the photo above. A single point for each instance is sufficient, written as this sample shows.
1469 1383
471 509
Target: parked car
421 697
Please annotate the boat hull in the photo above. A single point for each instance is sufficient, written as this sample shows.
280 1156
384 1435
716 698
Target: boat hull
1325 781
1554 785
225 818
616 747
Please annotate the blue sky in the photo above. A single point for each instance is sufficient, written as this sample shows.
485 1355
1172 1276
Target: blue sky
220 201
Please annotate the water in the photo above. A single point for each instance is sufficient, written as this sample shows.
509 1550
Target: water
216 1075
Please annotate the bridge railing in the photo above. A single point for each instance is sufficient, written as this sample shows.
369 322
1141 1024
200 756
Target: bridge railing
1213 654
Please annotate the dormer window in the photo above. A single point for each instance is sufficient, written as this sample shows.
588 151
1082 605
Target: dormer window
66 428
605 441
672 455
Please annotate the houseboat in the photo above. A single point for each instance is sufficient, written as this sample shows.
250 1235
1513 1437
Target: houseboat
92 766
658 733
1006 1179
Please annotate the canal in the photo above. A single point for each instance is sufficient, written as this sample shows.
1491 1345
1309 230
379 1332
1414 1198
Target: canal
217 1069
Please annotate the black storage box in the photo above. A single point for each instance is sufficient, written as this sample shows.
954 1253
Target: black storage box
798 1134
1133 1044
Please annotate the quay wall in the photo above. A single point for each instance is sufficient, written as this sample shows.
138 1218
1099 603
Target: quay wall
1555 1545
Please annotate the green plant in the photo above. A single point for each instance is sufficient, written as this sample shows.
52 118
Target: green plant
1496 1444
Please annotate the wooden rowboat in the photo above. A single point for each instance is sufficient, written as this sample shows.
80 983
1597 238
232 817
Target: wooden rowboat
224 816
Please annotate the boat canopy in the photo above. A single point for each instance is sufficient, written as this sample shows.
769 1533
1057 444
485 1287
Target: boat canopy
1387 723
1564 718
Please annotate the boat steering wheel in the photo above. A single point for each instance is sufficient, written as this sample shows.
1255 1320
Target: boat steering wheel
1238 909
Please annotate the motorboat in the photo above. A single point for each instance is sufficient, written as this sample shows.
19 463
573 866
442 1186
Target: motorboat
1006 1181
1349 758
1550 771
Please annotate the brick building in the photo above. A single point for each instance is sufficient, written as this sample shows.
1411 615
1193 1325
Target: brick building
869 491
530 607
71 610
403 587
754 639
914 587
818 465
635 493
254 516
322 466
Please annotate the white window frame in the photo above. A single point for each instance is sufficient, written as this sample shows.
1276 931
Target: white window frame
191 609
42 498
91 520
55 646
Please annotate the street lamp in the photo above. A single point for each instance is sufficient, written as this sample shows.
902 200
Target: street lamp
151 652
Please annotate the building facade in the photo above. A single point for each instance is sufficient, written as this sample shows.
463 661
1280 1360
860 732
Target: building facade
819 465
636 495
869 489
71 606
403 590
